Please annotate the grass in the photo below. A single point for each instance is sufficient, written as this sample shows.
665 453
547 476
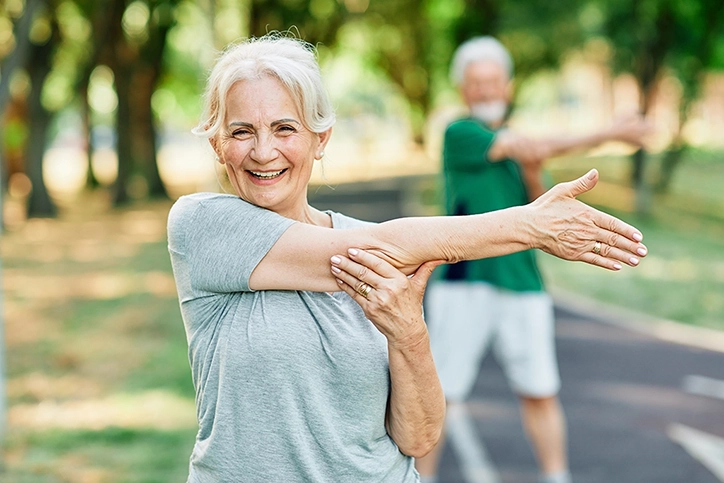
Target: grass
98 383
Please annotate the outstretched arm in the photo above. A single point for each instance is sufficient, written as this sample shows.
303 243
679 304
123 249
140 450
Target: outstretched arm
508 144
556 223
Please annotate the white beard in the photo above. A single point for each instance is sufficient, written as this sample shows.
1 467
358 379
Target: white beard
492 112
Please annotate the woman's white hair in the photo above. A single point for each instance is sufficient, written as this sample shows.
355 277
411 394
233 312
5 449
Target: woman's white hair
479 49
288 59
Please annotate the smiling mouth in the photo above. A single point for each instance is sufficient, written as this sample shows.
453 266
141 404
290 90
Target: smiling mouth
267 174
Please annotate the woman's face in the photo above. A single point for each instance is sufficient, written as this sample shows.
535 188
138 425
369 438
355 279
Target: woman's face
267 152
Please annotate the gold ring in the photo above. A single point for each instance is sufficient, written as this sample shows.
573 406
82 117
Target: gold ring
364 290
597 248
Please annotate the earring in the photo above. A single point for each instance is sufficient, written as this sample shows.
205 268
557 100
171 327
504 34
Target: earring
321 155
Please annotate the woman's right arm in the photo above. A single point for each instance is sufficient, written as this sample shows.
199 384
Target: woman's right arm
556 223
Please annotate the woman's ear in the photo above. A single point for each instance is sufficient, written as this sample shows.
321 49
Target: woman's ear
214 146
323 140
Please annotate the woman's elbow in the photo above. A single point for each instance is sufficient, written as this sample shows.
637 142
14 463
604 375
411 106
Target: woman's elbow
421 445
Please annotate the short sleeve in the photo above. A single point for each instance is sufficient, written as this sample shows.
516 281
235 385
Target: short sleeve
466 145
220 239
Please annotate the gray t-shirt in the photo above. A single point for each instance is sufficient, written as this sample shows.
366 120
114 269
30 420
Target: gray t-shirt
291 386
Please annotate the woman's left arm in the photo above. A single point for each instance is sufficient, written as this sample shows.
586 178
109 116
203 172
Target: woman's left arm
416 407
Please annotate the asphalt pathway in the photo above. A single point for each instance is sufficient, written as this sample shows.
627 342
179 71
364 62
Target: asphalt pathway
629 399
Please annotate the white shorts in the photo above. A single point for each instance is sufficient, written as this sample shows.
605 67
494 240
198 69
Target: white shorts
465 318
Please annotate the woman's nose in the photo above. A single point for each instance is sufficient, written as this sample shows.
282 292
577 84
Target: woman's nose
264 149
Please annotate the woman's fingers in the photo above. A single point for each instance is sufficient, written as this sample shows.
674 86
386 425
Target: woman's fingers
364 274
373 262
613 224
358 278
611 255
349 289
600 261
365 267
579 186
615 240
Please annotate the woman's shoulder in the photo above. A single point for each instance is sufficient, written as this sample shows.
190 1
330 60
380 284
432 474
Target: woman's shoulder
197 210
187 205
196 199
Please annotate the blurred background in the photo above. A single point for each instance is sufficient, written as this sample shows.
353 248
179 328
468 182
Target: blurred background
98 97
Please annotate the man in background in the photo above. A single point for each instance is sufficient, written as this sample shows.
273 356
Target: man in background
501 302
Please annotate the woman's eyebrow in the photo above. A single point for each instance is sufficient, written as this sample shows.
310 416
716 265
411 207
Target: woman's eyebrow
240 124
285 121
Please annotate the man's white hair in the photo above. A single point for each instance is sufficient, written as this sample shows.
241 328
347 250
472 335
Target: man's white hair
479 49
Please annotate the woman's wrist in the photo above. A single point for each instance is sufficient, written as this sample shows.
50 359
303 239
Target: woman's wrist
523 222
412 340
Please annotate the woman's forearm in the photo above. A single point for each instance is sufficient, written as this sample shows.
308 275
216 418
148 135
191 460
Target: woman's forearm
416 411
408 242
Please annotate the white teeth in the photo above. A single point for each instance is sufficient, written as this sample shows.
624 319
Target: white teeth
268 174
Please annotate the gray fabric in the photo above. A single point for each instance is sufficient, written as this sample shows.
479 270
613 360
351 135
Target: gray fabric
291 386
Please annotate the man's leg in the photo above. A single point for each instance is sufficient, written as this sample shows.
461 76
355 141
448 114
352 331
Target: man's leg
545 425
525 347
457 314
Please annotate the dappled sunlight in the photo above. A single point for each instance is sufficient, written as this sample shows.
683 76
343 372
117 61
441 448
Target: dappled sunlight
89 285
145 410
64 168
93 239
74 468
26 325
681 269
38 386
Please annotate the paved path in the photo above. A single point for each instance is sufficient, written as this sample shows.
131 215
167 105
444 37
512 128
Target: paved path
630 399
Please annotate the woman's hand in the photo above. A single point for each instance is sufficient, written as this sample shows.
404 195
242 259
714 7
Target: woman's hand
391 300
572 230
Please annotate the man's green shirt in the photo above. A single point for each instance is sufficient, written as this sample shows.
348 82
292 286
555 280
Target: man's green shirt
473 185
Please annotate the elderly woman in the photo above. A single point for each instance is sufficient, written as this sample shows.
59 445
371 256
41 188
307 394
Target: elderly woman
309 353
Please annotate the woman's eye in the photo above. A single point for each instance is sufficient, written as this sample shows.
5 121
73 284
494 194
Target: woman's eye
286 129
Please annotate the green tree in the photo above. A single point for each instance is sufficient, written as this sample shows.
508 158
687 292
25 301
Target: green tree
36 37
317 21
651 37
45 42
699 48
138 34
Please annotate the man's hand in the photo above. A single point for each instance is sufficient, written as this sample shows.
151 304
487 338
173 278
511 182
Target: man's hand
526 151
631 129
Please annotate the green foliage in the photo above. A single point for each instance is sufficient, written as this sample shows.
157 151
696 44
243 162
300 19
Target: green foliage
120 454
684 35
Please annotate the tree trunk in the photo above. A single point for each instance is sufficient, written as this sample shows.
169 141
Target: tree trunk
669 163
16 58
124 131
145 132
39 203
91 182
